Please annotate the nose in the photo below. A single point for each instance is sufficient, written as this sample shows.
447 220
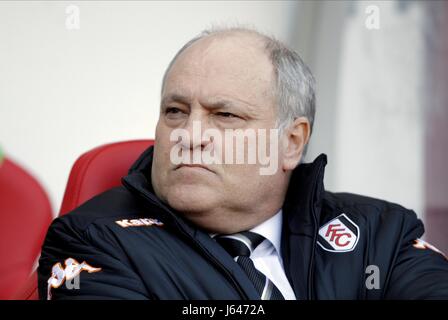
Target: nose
196 124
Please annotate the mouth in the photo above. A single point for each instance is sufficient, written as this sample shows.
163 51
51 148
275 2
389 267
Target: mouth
193 166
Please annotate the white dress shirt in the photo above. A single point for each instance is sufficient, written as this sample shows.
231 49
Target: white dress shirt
267 255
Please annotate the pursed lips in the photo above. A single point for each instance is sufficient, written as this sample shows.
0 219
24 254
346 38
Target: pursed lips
200 166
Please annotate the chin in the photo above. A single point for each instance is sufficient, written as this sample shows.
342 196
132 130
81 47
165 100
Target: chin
191 198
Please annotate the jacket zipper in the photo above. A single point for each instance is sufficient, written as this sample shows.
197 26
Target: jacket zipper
204 250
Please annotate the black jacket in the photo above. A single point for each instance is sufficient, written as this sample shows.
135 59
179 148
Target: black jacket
334 246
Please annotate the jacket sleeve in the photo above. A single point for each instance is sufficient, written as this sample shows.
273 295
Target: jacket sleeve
420 271
85 264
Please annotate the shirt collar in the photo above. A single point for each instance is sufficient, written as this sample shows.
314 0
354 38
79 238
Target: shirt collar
271 229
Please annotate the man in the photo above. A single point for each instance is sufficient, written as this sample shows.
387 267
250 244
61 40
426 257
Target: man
186 229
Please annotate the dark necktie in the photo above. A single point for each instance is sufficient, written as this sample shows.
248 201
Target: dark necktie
240 246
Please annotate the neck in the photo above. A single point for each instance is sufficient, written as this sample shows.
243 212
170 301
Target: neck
231 221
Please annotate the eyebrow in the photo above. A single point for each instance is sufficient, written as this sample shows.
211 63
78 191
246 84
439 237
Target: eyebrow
176 97
217 104
221 104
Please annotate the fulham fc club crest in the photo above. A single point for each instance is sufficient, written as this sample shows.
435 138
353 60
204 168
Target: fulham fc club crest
339 235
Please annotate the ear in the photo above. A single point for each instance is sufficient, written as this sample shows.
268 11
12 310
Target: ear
295 137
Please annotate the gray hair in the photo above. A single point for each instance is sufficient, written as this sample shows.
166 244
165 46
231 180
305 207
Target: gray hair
293 84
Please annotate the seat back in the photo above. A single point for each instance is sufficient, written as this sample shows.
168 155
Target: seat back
25 214
99 170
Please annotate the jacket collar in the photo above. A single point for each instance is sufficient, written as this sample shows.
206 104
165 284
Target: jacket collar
302 210
304 197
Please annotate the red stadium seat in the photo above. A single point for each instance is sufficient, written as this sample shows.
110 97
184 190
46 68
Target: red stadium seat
25 214
94 172
99 170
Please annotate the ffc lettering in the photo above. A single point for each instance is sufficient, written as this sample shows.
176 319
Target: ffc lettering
337 234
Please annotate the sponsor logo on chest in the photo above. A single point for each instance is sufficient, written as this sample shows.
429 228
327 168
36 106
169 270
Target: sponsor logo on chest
125 223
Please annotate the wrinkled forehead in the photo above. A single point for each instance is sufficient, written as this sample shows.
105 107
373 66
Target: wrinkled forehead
223 65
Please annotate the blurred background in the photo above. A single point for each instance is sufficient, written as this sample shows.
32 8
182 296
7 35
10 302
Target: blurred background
75 75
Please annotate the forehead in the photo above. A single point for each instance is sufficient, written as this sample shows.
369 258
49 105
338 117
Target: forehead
231 66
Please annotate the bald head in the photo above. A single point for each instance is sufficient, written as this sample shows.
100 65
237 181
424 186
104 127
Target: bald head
229 63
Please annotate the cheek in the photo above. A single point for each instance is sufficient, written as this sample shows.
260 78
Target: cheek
161 160
162 133
163 144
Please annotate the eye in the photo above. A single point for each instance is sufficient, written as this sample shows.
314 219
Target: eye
172 110
174 113
227 115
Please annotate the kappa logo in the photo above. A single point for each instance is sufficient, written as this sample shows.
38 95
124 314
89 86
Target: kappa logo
139 222
339 235
72 269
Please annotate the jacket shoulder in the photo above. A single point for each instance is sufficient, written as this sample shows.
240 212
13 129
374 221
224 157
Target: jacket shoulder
113 204
371 212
